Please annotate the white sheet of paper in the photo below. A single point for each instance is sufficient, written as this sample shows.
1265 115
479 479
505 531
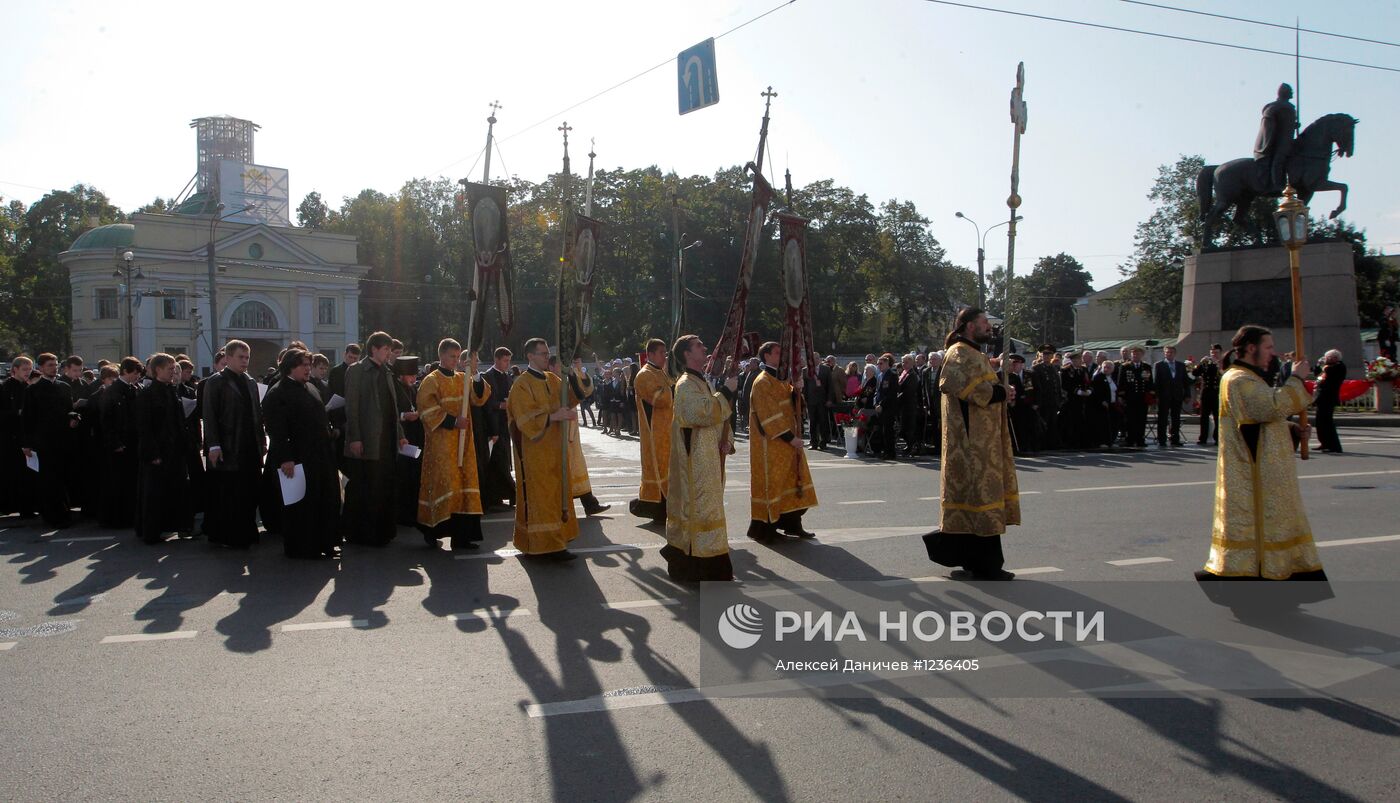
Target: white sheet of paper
409 450
293 487
337 401
262 391
32 461
188 404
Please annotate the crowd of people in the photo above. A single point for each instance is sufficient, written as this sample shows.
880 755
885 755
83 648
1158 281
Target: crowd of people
321 455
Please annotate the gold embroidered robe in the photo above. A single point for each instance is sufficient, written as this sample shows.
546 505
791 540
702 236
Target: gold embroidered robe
1260 527
977 477
654 391
445 487
542 523
695 511
579 484
779 478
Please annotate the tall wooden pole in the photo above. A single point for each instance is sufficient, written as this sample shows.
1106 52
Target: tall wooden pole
476 300
1292 216
1013 201
565 361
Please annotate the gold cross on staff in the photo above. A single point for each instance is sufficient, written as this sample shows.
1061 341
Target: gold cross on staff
495 107
769 94
566 128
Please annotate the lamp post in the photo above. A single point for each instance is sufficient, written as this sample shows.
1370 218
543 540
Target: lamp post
1291 219
981 256
125 274
214 220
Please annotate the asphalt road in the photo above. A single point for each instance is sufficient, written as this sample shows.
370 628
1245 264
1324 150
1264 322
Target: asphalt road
177 672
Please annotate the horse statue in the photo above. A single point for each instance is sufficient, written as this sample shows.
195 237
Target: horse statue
1238 182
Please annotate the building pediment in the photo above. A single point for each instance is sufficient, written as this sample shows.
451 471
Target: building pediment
262 244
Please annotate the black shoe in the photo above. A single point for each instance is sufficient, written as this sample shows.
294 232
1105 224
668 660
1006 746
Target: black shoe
964 574
464 546
762 533
595 510
800 533
562 556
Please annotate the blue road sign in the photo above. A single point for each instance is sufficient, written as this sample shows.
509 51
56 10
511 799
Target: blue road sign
696 80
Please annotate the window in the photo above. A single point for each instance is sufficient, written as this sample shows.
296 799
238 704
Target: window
106 304
173 350
173 305
253 315
326 310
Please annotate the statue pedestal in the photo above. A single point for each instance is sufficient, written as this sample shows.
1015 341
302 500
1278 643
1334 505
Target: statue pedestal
1385 395
1224 290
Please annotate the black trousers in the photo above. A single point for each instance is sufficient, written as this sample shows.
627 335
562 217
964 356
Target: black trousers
498 485
231 517
163 503
1136 422
1050 429
371 501
1168 415
886 421
1210 418
817 423
117 510
54 475
1326 428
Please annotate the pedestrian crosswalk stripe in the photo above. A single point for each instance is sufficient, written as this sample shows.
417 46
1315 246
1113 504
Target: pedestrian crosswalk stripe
1375 539
1036 570
174 634
1137 561
5 645
489 613
334 624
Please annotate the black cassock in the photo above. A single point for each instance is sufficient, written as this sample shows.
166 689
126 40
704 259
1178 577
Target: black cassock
232 422
48 409
117 413
162 485
194 460
18 485
408 471
299 431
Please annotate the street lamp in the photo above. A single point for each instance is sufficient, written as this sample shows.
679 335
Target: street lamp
1291 220
125 273
981 255
214 220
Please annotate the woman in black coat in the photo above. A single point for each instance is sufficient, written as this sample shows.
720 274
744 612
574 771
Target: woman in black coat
299 434
1101 409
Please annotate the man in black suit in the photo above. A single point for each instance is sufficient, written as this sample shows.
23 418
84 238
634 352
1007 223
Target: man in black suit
234 446
933 400
886 403
910 391
1173 385
163 480
17 483
1022 413
1329 390
1134 383
1049 395
48 424
815 398
1208 372
494 461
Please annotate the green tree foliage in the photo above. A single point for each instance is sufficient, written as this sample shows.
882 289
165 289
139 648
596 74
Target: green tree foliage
1042 303
312 212
1377 282
35 294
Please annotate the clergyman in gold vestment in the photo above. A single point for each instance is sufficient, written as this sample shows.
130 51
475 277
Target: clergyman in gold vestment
449 494
779 479
697 541
654 389
1260 529
544 513
977 476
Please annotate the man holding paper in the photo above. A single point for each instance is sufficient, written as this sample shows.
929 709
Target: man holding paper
449 495
302 455
163 486
233 444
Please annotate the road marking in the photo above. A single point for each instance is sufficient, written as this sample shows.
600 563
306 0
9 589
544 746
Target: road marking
511 553
485 613
1212 482
91 598
1036 570
82 538
864 502
1375 539
641 603
1137 561
929 498
174 634
6 645
335 624
904 581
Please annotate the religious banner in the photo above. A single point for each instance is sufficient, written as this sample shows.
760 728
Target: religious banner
587 231
728 346
798 352
493 275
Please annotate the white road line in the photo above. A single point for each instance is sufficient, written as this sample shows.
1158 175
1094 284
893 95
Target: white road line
1375 539
929 498
1212 482
510 553
6 645
641 603
904 581
88 600
1036 570
335 624
83 538
1137 561
175 634
495 614
864 502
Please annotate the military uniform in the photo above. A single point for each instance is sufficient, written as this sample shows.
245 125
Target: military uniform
1134 383
1209 375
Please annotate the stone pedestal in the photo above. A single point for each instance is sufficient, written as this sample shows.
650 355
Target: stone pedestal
1384 395
1224 290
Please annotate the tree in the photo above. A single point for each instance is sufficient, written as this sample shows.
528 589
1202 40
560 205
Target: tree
1154 273
1042 305
312 212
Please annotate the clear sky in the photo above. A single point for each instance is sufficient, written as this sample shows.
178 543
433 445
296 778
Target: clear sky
895 98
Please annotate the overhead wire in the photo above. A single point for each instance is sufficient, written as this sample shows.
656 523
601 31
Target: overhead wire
1261 22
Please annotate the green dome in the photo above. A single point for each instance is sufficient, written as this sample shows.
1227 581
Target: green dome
112 235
